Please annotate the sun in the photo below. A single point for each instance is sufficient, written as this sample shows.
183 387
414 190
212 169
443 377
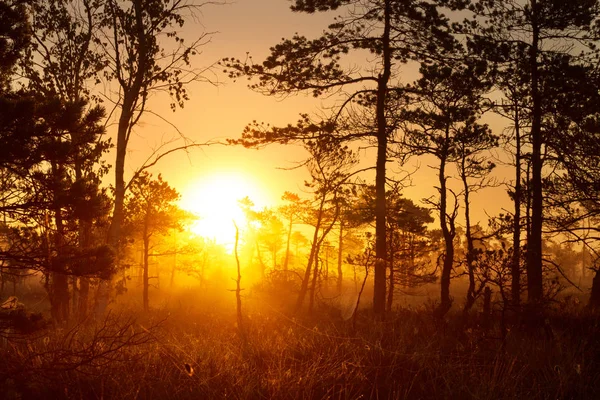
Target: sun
214 199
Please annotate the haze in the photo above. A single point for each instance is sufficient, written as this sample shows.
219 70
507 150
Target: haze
299 199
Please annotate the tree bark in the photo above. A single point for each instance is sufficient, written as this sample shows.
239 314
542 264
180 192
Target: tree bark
60 280
447 227
390 294
516 261
470 246
534 247
340 276
313 285
380 169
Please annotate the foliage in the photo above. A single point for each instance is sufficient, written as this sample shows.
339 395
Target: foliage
151 206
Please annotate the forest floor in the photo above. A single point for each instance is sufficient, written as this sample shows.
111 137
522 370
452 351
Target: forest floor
195 350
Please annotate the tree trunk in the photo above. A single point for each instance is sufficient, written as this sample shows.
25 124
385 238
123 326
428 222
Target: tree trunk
528 206
238 289
470 246
380 169
174 269
172 280
311 257
390 295
594 303
447 227
340 276
60 280
314 250
84 236
132 90
287 246
74 296
260 260
487 308
145 277
60 297
84 293
313 285
516 261
534 247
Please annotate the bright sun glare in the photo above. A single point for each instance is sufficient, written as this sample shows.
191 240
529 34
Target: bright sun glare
214 200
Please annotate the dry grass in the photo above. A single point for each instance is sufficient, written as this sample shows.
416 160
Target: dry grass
410 355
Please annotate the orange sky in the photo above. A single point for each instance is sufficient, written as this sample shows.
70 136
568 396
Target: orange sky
222 111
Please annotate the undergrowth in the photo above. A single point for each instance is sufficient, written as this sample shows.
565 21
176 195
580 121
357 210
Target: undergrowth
198 353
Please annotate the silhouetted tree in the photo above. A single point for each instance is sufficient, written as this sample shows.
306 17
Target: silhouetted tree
473 171
151 212
395 33
146 54
64 62
409 245
270 234
292 210
544 33
330 167
443 122
44 192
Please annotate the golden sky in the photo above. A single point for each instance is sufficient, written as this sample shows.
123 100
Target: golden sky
222 111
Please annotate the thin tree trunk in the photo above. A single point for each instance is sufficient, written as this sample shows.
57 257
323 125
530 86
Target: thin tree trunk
145 277
260 260
362 288
174 264
2 273
132 90
313 286
84 234
340 276
238 290
305 280
84 293
60 280
594 302
172 280
534 246
74 296
287 246
516 261
60 294
390 295
448 233
528 206
326 274
470 246
380 169
314 250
